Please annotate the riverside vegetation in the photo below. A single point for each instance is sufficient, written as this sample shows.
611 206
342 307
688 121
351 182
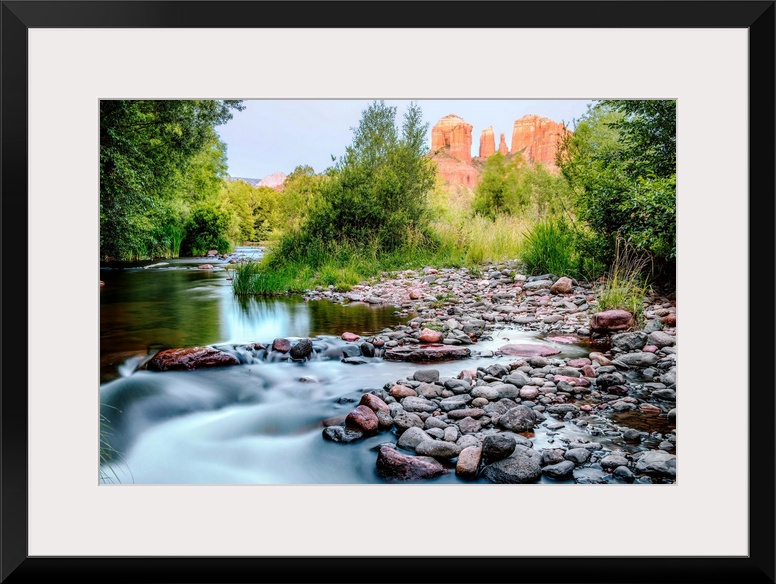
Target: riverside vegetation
606 222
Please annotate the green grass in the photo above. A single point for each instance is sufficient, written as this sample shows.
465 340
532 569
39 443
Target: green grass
626 283
108 454
549 249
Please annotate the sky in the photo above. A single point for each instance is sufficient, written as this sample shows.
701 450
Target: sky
271 136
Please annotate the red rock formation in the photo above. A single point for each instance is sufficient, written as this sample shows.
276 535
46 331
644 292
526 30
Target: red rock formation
456 172
537 138
488 142
453 132
502 145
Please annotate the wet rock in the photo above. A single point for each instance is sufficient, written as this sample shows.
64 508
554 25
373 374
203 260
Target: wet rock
431 336
190 358
302 350
438 449
355 361
562 470
629 341
497 446
611 320
374 403
404 420
624 473
469 426
426 375
577 456
518 419
281 345
517 378
205 267
342 434
657 463
613 460
394 466
362 418
528 350
552 456
669 320
456 402
521 467
399 391
661 339
418 404
636 359
350 337
412 437
459 414
367 349
468 462
429 390
419 354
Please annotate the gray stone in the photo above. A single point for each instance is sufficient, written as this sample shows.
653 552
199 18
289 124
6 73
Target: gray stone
657 463
521 467
630 341
418 404
497 446
342 434
578 455
661 339
412 437
404 420
426 375
636 359
562 470
438 449
518 419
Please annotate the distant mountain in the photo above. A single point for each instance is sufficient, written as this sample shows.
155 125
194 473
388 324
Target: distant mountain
251 181
274 180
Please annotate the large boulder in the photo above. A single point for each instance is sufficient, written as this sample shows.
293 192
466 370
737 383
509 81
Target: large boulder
611 320
522 466
190 358
426 353
392 465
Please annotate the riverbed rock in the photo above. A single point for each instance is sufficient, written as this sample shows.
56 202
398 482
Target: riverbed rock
438 449
205 267
521 467
636 359
349 337
629 341
427 353
302 350
518 419
611 320
412 437
190 358
431 336
342 434
281 345
395 466
561 470
426 375
362 418
562 285
528 350
657 463
468 462
497 446
374 403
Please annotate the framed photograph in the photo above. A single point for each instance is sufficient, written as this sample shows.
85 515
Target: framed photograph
75 75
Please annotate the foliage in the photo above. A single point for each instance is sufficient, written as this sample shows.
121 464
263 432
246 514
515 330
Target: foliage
498 191
147 148
209 227
301 194
549 248
108 455
621 163
509 186
626 282
376 194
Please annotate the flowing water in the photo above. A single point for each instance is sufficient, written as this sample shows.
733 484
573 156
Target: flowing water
255 423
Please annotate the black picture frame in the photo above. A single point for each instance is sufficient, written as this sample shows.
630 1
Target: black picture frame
16 566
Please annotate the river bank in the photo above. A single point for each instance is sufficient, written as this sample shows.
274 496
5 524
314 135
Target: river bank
505 378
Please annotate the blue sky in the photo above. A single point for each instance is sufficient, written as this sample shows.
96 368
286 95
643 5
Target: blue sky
278 135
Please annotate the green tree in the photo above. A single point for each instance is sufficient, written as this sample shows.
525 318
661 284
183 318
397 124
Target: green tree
301 193
498 190
146 147
377 192
621 163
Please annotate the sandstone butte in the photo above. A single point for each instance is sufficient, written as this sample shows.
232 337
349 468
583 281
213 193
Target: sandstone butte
534 136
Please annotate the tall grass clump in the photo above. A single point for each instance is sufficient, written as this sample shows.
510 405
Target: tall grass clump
625 284
108 454
549 247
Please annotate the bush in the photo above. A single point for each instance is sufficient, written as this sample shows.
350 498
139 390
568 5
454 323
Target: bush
549 247
208 228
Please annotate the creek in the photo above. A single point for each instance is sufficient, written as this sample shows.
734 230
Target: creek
258 422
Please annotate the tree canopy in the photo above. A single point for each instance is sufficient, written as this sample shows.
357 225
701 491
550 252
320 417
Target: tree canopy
147 148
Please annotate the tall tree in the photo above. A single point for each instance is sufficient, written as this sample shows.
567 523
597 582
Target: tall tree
145 147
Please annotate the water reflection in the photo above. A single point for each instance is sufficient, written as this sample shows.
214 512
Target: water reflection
143 310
